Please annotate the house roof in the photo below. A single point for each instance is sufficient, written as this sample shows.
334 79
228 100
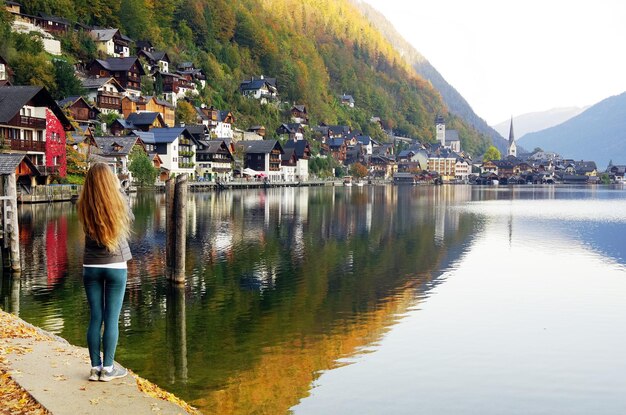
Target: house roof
259 146
169 134
66 102
55 19
299 146
348 98
336 142
13 98
222 115
257 83
119 64
300 108
452 135
215 146
103 35
95 83
9 163
145 136
109 144
364 139
143 118
199 131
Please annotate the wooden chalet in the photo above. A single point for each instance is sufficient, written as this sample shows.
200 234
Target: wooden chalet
106 93
299 114
127 71
80 110
132 105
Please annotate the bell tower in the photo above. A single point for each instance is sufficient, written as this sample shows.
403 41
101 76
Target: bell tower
512 150
440 127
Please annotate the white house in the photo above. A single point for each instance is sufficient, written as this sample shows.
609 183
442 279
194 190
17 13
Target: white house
263 89
177 149
112 42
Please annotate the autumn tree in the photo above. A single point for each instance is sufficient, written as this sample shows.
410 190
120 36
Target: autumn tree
358 170
185 113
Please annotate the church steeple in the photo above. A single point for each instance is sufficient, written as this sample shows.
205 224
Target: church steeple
512 150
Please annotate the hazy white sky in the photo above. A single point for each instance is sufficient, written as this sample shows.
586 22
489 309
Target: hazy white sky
512 57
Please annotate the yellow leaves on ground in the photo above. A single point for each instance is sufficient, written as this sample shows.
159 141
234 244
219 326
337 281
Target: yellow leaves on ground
153 390
15 400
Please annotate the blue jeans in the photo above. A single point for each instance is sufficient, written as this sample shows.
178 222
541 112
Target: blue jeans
105 289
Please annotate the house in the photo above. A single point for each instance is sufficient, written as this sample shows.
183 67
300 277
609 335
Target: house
617 173
302 152
294 131
299 114
144 45
587 168
192 74
106 93
157 61
23 23
80 110
382 166
214 160
5 72
257 129
32 123
263 89
337 149
52 24
347 100
366 143
133 104
116 151
220 123
111 42
177 149
263 156
199 132
173 85
338 131
127 71
288 164
27 175
443 161
143 121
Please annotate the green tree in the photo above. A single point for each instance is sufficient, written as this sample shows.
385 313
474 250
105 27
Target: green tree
33 70
492 153
67 84
141 167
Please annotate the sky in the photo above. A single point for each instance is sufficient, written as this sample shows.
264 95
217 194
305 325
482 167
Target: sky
512 57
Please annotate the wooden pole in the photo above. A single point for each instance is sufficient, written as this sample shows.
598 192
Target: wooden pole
169 225
13 227
180 219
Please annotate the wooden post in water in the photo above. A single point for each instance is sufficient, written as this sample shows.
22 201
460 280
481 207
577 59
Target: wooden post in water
176 227
11 226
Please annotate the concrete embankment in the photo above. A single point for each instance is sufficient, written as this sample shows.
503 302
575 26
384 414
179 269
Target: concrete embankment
42 373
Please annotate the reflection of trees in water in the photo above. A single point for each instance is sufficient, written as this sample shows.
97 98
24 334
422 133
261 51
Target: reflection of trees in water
281 283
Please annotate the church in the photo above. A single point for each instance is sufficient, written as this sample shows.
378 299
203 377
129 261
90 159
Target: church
447 138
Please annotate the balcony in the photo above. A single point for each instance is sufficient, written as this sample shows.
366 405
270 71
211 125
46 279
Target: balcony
23 145
29 122
48 170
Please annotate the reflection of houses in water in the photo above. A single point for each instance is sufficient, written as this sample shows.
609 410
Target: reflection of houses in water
56 250
447 218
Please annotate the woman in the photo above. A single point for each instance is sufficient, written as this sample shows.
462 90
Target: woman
105 217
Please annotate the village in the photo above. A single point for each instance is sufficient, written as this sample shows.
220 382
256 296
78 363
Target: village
112 119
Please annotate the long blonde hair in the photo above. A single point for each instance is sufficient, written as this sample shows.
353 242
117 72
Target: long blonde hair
102 210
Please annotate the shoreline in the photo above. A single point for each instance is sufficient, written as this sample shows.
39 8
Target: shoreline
43 373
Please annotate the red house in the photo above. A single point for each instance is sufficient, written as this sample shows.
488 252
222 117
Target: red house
32 123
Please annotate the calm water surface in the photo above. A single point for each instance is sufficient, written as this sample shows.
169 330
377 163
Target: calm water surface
404 300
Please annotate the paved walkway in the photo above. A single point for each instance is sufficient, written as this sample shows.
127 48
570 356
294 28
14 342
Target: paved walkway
55 374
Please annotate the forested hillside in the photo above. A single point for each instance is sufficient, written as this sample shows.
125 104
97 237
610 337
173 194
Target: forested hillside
317 50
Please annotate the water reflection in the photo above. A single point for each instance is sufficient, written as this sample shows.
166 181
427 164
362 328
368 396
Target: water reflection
282 284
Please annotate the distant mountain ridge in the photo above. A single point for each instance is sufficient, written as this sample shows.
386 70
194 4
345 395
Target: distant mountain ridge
537 121
597 134
451 97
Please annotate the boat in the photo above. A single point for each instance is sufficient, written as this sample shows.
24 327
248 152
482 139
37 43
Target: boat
347 181
360 183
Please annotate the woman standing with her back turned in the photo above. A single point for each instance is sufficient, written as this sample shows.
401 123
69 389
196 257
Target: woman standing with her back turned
106 217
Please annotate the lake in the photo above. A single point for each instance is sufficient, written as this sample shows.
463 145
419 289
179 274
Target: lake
381 299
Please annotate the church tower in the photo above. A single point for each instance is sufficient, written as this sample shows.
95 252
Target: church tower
512 150
440 127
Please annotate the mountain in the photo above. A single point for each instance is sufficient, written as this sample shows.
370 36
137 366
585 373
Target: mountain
598 134
451 97
537 121
316 49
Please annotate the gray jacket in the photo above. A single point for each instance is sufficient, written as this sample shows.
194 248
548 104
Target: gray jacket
96 254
